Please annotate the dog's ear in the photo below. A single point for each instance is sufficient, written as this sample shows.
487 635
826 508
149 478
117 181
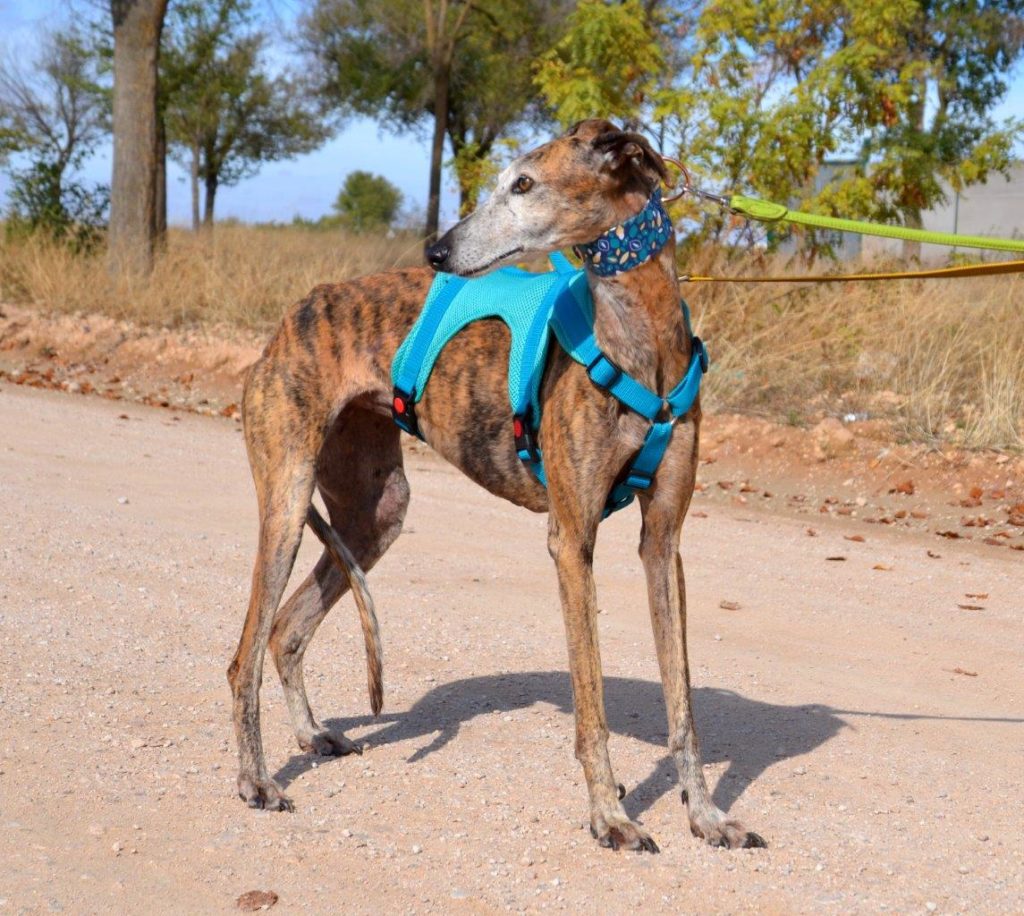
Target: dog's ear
590 128
627 154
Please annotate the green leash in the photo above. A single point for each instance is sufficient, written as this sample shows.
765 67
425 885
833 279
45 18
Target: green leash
766 212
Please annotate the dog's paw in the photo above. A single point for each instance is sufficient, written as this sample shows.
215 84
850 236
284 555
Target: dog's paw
329 744
622 833
726 834
263 793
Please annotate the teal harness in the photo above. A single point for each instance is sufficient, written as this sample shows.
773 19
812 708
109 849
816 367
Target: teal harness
535 307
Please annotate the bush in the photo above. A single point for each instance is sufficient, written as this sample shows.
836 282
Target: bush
42 201
367 203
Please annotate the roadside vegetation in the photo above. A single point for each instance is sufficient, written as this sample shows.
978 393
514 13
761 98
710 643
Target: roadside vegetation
940 361
753 96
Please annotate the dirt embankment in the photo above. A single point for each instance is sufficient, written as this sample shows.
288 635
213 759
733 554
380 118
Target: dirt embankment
845 470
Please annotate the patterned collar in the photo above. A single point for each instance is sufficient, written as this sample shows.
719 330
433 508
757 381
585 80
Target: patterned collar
632 243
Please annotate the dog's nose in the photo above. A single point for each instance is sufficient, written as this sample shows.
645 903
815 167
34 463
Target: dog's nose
437 254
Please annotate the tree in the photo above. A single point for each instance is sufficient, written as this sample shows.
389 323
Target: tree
57 112
43 199
492 93
54 115
905 86
605 65
224 112
460 65
367 202
625 61
133 197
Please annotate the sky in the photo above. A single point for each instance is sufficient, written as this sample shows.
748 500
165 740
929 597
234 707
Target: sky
306 185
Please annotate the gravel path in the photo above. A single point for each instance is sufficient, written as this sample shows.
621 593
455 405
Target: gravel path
833 717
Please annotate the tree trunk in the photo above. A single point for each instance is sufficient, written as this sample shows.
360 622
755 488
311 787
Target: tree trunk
912 211
161 182
193 178
211 195
441 77
133 195
912 250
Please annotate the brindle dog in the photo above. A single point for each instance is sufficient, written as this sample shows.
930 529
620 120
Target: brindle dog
317 415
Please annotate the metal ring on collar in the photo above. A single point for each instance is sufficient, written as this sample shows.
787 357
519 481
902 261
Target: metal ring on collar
687 183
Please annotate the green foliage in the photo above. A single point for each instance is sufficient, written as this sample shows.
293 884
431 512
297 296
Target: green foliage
627 61
905 87
379 58
42 199
606 65
221 104
367 202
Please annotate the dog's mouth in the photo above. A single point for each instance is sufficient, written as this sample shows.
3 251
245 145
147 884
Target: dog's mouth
476 271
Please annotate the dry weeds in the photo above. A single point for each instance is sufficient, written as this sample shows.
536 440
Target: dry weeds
238 275
942 360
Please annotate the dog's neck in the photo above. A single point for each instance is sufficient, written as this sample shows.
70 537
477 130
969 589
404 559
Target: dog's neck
638 320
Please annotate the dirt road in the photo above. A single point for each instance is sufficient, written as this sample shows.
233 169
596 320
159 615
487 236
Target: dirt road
833 720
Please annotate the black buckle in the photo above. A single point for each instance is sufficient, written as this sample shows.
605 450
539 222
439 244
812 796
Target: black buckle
403 411
604 383
526 442
702 353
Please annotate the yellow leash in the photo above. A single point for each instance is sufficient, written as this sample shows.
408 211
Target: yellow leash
937 273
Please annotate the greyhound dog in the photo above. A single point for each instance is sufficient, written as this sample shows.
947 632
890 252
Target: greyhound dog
316 414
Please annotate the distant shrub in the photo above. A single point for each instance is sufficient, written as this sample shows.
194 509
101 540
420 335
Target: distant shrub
41 201
366 203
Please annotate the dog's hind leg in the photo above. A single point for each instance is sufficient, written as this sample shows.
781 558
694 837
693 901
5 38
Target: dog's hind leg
360 475
659 549
284 497
282 438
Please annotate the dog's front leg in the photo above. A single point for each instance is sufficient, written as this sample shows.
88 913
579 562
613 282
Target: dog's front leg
659 550
572 547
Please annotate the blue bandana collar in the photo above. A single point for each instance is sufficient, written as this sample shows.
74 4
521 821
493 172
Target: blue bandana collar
631 244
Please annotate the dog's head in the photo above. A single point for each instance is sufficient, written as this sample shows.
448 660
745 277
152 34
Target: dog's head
566 192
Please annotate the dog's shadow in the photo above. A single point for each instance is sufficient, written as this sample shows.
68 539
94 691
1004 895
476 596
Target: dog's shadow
747 735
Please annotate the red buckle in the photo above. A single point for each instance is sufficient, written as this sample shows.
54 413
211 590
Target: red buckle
403 410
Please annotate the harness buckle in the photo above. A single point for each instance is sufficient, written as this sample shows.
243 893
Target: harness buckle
526 442
403 411
603 371
638 480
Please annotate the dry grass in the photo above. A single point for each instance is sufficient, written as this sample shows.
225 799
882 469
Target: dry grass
237 275
944 360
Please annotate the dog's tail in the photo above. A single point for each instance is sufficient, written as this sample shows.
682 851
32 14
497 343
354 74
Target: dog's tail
367 615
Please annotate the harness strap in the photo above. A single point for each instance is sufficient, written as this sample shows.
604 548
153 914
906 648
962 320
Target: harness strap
403 406
639 474
575 333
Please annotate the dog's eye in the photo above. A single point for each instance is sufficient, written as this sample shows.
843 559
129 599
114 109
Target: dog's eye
522 184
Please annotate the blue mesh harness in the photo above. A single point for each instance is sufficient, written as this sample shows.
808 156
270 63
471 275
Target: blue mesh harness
535 307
